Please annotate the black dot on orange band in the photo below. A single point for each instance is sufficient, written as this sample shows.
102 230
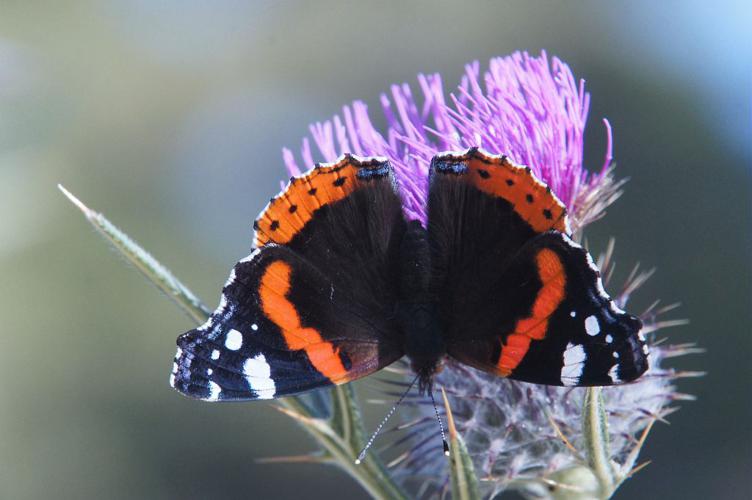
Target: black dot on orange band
529 198
510 182
345 359
274 225
255 225
339 181
547 214
292 209
312 191
484 173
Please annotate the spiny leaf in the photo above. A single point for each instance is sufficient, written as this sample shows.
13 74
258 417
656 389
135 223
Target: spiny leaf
346 417
143 261
296 459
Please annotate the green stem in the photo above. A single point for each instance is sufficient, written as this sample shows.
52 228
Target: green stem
371 473
595 433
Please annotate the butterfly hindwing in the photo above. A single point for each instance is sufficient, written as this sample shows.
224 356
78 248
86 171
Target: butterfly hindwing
571 333
312 310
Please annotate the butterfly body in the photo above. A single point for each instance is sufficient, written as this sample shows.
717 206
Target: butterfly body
417 309
340 285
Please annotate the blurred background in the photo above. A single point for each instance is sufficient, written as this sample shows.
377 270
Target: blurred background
169 117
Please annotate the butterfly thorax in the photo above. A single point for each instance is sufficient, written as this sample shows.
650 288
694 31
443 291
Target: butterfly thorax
417 311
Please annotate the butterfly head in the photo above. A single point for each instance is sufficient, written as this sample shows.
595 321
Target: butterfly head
426 371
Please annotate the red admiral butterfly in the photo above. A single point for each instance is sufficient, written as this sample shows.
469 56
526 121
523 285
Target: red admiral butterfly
340 285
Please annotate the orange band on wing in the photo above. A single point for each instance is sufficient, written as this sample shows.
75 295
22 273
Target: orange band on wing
530 198
554 278
289 212
324 356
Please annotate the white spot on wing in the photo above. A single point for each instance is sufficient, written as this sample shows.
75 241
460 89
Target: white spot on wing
215 354
573 314
222 305
234 340
598 281
214 391
614 308
172 380
614 375
257 367
231 279
574 363
592 327
609 339
185 361
258 374
206 325
252 254
254 327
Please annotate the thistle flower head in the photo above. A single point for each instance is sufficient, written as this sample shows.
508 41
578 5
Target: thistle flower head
533 110
528 108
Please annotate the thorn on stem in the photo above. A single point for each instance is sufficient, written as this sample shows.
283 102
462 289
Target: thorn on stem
86 210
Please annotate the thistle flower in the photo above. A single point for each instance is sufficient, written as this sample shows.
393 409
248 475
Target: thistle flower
531 110
534 111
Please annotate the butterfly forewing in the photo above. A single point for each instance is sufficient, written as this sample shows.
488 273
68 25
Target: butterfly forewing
311 306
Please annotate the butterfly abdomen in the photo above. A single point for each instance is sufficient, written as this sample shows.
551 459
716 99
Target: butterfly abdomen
417 311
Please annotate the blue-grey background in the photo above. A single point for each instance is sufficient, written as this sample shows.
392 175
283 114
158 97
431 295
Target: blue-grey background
169 117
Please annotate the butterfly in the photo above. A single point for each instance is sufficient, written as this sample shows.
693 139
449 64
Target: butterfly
340 285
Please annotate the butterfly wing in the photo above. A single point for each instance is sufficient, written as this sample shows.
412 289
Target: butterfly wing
311 306
518 297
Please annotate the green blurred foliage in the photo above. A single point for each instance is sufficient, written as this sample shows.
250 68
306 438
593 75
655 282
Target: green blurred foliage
169 117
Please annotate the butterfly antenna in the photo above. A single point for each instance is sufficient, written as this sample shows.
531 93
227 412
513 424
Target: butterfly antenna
362 454
441 426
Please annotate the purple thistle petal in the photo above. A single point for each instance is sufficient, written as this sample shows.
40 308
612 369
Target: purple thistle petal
290 165
530 108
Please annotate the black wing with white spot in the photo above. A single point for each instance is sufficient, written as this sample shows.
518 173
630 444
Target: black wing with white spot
313 305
